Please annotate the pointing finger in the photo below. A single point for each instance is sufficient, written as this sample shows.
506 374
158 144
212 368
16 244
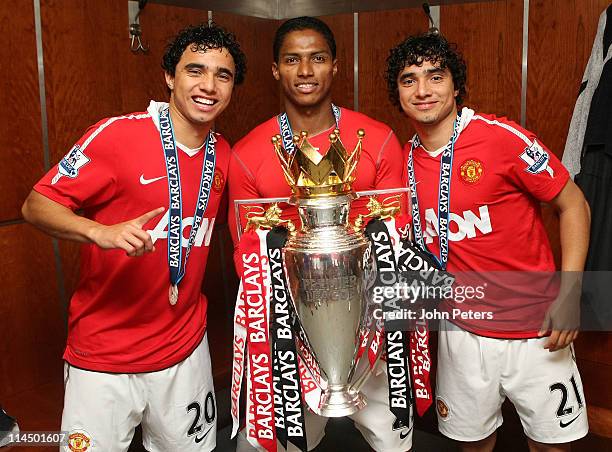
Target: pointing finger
143 219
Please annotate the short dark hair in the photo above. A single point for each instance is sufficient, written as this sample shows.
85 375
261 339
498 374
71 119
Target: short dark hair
201 38
303 23
425 47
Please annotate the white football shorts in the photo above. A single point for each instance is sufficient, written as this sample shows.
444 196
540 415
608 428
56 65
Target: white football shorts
176 407
475 374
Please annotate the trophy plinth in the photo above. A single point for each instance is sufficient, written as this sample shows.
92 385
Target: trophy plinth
340 401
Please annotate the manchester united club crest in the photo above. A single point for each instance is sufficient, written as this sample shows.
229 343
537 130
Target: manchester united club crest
442 408
471 171
218 181
79 441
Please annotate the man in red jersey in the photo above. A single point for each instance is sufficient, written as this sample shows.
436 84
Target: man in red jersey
476 186
149 185
305 65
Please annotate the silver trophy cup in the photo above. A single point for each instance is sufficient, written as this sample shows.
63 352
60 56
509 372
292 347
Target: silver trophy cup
324 262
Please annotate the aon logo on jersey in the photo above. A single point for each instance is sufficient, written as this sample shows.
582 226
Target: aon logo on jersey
459 227
160 231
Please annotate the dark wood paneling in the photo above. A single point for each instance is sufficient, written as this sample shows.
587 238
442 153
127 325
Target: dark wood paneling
32 328
378 32
596 377
594 346
91 72
81 42
20 131
257 99
561 34
593 374
489 35
600 423
343 87
595 365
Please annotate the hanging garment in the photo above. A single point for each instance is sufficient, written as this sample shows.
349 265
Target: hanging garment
593 110
588 157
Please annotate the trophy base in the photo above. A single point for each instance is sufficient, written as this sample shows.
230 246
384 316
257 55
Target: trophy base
341 402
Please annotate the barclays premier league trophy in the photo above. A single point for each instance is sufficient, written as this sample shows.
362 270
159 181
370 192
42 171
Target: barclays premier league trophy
324 262
323 341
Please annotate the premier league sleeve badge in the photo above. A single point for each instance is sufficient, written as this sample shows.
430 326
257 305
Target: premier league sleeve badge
536 158
69 166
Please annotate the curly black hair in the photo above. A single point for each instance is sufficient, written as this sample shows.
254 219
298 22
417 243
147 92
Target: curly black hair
302 23
425 47
201 38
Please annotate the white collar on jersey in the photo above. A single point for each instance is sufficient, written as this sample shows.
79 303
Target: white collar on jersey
466 117
154 109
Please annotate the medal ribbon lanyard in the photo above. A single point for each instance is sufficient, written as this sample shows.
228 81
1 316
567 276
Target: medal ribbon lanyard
287 133
446 171
175 222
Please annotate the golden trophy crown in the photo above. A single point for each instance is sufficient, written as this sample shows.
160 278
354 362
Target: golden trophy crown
311 174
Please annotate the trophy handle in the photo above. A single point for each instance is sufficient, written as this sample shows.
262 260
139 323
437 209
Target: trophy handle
388 208
242 206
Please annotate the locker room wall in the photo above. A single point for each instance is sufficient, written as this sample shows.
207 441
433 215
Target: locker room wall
90 73
374 48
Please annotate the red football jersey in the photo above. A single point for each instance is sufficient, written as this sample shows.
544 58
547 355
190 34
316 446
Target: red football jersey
255 171
120 318
500 174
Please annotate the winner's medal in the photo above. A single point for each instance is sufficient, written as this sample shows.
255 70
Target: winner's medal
173 294
177 265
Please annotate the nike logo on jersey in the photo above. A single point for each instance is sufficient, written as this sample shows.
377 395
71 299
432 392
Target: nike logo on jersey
144 181
565 424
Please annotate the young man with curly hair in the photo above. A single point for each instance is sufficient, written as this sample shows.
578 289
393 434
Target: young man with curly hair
477 183
149 185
